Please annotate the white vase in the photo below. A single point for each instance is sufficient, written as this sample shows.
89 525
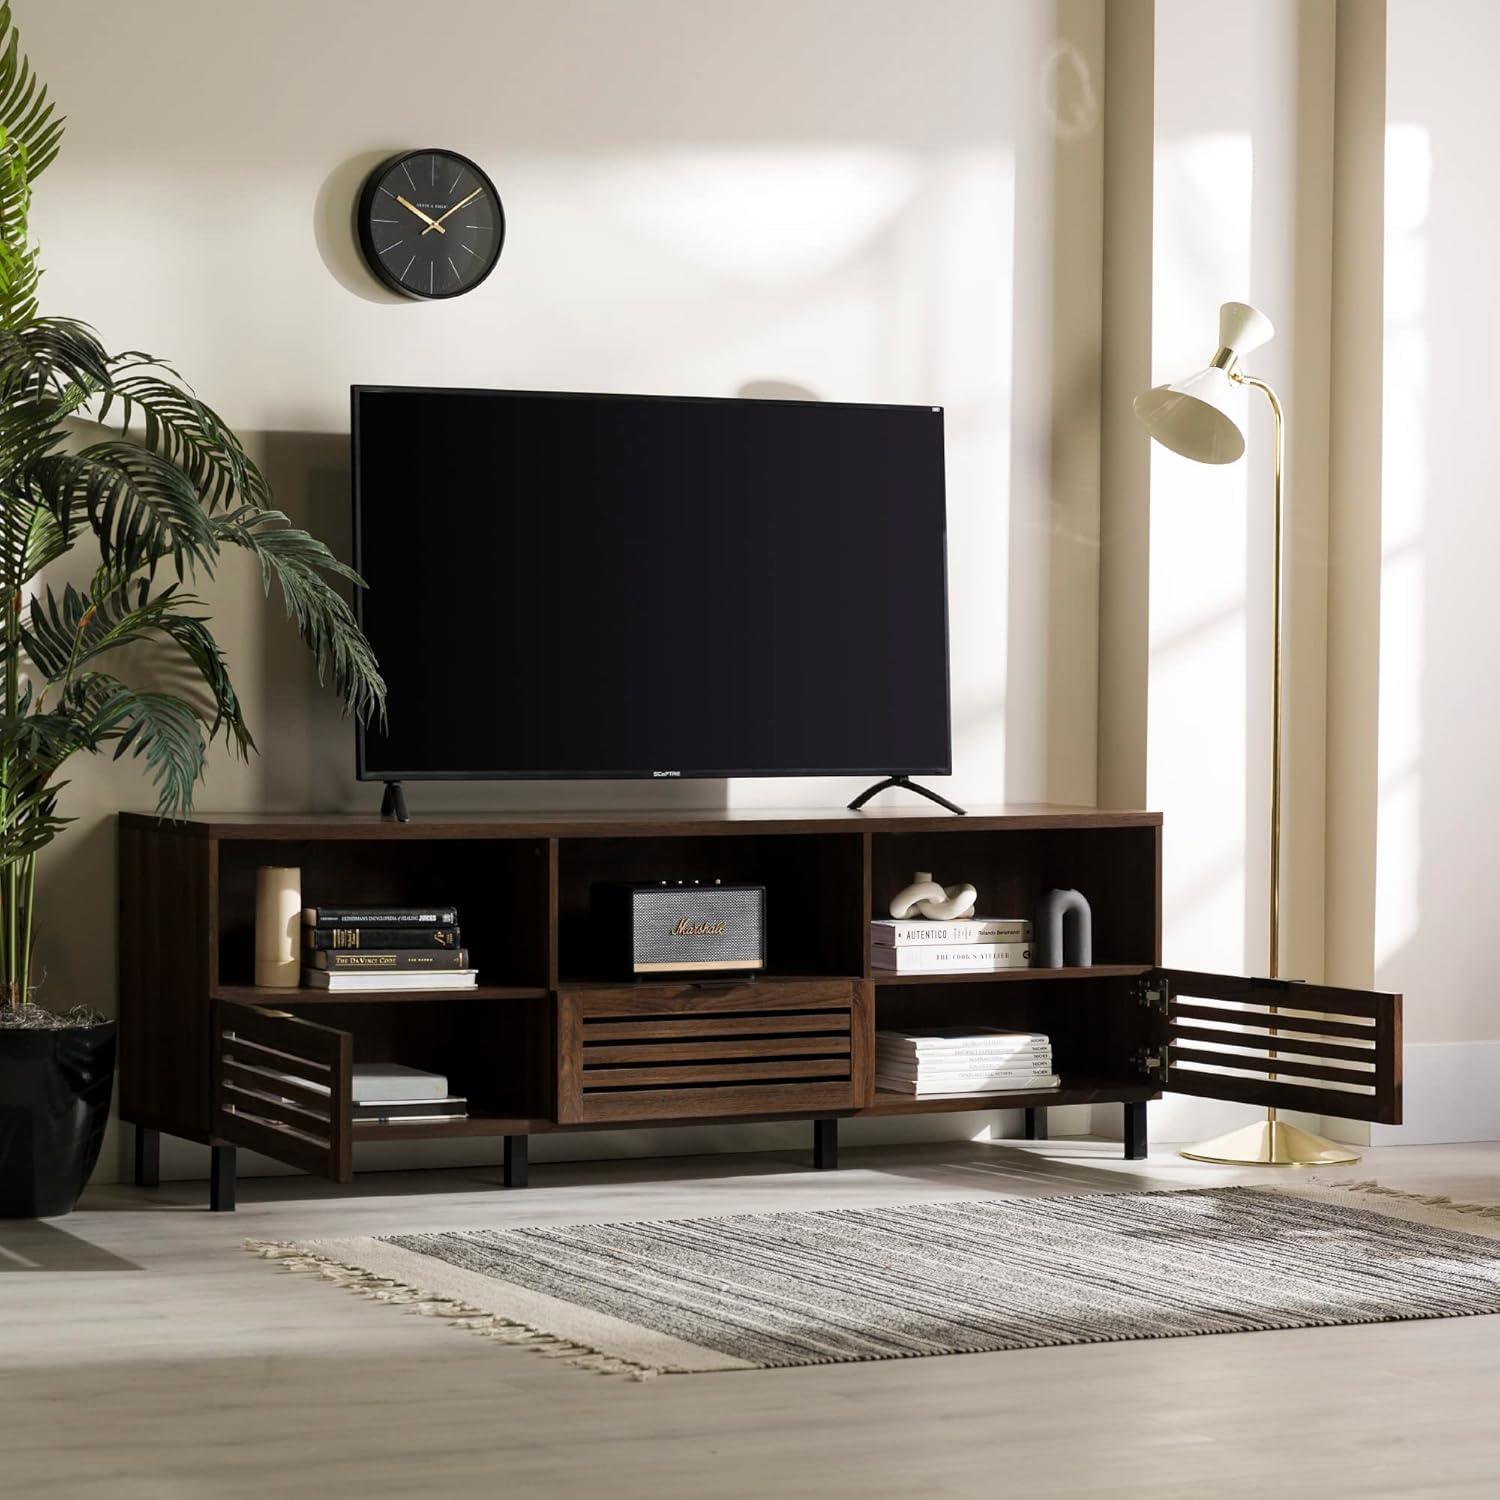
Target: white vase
278 922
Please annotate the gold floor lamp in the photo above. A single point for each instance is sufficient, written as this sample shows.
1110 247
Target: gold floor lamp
1195 417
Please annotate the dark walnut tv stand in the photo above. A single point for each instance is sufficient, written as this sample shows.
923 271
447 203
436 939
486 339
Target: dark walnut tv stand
551 1042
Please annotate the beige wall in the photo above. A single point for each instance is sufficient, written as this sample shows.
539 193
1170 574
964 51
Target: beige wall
860 199
1438 809
1025 212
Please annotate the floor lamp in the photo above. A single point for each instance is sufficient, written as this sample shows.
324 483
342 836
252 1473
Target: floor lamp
1194 417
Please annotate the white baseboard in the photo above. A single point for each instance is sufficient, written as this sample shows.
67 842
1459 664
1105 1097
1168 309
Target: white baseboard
1451 1093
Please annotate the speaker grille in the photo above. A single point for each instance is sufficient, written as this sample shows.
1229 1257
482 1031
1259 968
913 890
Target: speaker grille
701 926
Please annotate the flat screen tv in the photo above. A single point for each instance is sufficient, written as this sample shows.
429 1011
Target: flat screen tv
637 586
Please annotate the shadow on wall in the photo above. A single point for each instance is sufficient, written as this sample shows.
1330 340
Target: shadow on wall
335 233
306 759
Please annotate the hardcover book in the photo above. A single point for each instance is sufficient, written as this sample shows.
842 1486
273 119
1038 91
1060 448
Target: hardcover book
390 1111
933 958
316 938
453 979
908 1086
379 916
904 932
399 960
375 1083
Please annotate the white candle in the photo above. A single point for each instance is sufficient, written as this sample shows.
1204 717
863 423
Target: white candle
278 922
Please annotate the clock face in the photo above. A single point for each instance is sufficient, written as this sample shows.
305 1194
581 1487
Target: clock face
430 223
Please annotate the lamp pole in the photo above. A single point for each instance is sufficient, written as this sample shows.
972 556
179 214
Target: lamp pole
1193 417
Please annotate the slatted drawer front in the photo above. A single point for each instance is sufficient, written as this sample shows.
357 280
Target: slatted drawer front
662 1052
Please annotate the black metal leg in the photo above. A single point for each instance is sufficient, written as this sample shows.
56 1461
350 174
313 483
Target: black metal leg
517 1160
393 802
221 1180
1036 1124
825 1145
909 785
147 1157
1135 1131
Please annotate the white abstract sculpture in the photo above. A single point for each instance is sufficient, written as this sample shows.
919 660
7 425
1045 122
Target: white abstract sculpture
926 898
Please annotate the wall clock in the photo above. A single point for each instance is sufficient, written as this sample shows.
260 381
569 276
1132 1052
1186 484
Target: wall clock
430 223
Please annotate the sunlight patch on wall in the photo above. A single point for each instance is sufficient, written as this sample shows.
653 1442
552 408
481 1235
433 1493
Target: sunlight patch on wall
1201 731
1408 197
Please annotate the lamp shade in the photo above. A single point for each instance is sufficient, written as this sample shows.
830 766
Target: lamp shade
1198 416
1195 417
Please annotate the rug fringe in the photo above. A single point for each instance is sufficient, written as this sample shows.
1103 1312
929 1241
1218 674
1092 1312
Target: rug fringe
294 1257
1436 1209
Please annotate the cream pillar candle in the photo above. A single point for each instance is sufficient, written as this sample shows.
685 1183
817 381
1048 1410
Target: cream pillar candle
278 922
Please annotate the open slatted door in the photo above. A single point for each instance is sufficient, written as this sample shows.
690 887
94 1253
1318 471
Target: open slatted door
283 1086
1281 1044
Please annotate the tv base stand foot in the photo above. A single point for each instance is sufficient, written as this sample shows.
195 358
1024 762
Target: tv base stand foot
909 785
393 803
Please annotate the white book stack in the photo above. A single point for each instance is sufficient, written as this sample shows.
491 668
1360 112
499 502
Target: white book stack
913 945
970 1060
391 1093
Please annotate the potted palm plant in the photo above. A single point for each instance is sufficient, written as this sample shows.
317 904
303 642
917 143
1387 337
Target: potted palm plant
112 471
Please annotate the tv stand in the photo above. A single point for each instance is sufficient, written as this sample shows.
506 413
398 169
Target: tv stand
393 803
910 786
555 1039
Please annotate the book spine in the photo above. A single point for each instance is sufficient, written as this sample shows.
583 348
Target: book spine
927 934
379 916
357 961
926 960
315 939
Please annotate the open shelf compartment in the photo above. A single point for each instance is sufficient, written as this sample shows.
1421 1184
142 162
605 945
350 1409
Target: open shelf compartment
1099 1029
284 1076
500 888
814 893
1117 870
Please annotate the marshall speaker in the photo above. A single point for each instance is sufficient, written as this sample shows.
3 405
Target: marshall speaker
677 928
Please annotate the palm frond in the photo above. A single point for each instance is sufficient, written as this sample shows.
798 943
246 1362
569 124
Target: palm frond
141 507
167 731
51 357
302 565
26 115
184 431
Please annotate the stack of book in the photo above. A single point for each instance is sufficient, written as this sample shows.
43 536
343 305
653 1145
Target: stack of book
913 945
354 948
391 1094
971 1060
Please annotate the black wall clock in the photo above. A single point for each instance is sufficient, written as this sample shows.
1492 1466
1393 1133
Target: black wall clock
430 223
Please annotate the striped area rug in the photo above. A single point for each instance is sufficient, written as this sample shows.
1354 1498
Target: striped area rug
760 1291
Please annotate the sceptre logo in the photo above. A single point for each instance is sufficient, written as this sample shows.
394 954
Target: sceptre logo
660 774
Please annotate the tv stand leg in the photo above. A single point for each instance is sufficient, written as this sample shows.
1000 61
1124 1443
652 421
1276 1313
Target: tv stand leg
1135 1131
826 1145
147 1157
222 1180
393 803
517 1160
907 784
1036 1124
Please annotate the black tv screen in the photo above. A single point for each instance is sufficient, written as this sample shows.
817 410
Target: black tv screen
638 586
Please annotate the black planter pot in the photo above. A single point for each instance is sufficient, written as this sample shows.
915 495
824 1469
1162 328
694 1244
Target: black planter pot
55 1088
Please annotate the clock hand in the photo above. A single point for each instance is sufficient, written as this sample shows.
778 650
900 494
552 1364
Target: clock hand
430 222
437 223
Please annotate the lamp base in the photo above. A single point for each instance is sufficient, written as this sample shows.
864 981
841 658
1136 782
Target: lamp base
1271 1143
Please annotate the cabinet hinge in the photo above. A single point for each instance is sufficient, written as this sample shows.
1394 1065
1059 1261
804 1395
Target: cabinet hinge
1151 991
1152 1063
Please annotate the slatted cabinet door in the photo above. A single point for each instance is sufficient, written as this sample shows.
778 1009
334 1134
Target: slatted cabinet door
700 1050
1279 1043
284 1087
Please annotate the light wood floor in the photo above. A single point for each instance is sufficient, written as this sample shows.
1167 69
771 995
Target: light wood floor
144 1354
